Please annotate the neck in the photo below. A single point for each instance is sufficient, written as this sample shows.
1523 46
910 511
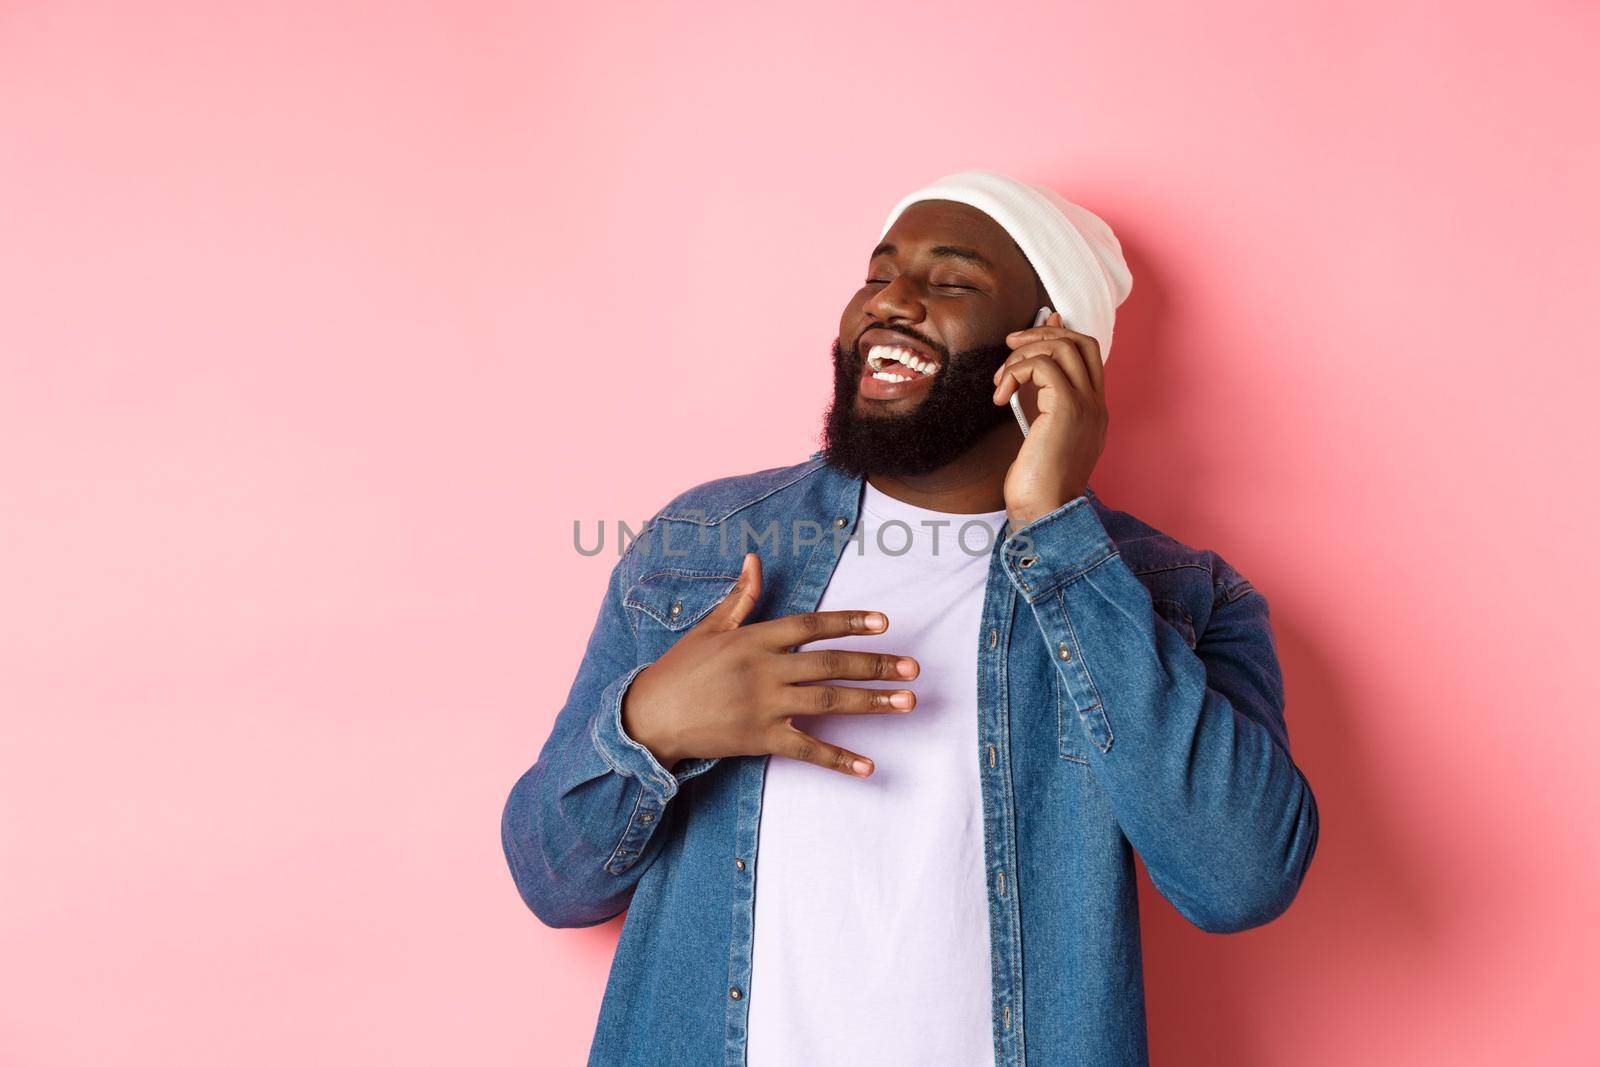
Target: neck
969 485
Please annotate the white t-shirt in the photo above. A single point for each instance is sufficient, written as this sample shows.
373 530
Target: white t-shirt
872 918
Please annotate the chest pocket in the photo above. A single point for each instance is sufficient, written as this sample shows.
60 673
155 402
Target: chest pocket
664 604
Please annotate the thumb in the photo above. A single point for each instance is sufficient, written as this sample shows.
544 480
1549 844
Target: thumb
741 599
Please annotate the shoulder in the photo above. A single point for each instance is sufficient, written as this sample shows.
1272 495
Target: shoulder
718 500
1151 553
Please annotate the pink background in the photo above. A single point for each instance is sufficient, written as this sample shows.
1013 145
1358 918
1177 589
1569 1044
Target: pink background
321 323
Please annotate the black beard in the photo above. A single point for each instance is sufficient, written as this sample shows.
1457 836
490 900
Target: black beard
956 413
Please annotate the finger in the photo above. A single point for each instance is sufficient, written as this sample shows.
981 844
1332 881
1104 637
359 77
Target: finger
1088 351
741 599
828 663
1064 350
846 700
1043 347
1040 370
792 630
1016 357
1096 363
1045 332
1069 357
1049 328
1064 354
796 744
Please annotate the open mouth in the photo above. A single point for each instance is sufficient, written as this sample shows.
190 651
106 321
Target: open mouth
894 363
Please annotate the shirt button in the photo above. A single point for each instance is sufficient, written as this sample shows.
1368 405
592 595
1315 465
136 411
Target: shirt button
738 862
1027 561
839 522
645 816
991 756
677 609
1066 653
734 993
994 638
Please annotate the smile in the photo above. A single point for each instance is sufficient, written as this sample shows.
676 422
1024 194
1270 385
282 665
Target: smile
881 358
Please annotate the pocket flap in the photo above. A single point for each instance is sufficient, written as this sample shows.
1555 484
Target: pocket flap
678 600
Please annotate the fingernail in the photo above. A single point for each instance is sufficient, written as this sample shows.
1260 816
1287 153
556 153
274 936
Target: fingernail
900 700
875 620
906 668
861 767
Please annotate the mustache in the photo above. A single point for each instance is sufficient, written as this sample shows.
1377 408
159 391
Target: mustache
933 346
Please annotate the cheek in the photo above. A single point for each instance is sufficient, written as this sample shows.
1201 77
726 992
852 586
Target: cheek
974 330
852 310
965 333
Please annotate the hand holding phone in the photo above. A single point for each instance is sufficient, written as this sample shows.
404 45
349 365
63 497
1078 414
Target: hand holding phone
1062 373
1016 397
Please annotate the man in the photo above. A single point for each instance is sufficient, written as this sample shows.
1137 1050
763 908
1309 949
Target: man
985 689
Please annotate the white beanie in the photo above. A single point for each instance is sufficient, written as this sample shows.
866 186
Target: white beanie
1073 251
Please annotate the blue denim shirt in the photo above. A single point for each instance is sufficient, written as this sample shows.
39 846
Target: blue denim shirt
1130 700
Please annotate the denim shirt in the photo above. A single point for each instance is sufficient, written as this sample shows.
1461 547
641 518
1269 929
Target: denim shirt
1129 700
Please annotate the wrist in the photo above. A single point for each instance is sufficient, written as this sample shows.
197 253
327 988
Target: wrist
1024 516
1034 510
641 729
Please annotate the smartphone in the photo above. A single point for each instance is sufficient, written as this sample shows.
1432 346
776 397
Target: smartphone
1016 397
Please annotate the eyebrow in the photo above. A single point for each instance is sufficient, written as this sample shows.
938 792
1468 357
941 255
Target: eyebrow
971 255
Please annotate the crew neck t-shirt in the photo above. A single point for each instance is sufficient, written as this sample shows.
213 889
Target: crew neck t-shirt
871 941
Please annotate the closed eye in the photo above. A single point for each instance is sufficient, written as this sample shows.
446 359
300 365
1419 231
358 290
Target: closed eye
949 285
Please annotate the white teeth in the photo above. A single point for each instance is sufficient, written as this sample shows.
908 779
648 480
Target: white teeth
885 376
879 355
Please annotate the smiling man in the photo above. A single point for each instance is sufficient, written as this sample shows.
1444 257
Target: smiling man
985 690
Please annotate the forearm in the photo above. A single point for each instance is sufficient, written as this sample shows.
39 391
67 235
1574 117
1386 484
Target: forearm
1190 750
578 826
583 824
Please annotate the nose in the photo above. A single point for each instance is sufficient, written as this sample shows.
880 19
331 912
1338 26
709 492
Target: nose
900 299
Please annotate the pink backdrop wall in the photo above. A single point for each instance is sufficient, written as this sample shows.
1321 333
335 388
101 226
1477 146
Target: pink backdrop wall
320 323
